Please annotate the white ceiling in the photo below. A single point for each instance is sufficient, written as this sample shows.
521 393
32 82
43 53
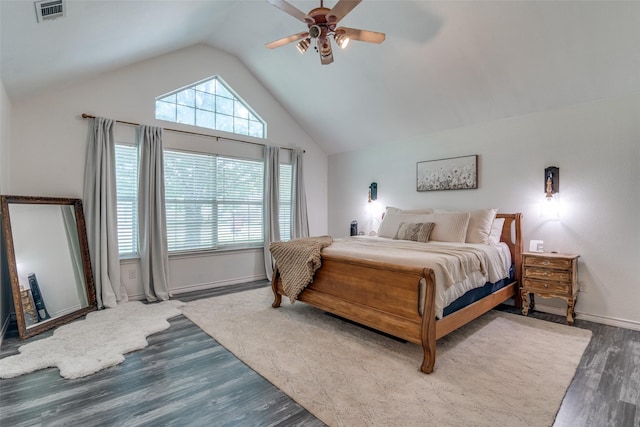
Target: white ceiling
444 64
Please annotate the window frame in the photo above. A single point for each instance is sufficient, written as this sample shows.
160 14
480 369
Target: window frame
227 247
216 203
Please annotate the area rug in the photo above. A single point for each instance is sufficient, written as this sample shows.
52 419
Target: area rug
500 370
96 342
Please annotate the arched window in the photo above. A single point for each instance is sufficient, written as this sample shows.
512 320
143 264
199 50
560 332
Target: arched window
210 104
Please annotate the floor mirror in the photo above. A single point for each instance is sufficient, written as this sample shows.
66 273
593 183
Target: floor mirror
48 260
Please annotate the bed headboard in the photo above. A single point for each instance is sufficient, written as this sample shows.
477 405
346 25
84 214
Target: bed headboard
512 236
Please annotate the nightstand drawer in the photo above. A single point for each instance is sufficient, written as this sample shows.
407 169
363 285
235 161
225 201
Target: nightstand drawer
545 274
540 261
547 286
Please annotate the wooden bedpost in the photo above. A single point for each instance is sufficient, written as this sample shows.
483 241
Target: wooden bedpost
512 236
428 330
517 258
277 298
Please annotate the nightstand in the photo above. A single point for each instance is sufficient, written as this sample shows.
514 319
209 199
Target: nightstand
550 275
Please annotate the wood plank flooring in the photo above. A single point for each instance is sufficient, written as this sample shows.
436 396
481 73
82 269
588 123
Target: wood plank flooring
186 378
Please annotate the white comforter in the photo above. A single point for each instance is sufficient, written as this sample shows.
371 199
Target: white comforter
458 267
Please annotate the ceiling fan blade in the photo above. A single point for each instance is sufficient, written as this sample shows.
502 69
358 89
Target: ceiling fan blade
340 10
286 40
362 35
292 10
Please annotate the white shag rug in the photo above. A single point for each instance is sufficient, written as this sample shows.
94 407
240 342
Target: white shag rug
499 370
96 342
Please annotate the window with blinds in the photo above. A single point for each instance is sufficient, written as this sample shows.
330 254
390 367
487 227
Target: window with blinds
212 202
239 201
127 199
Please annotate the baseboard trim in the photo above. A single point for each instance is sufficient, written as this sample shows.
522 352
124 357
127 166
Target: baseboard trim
610 321
605 320
203 286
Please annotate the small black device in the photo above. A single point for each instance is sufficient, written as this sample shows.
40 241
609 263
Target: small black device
354 228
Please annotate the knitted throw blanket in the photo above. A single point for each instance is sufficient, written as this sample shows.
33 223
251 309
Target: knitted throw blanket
297 261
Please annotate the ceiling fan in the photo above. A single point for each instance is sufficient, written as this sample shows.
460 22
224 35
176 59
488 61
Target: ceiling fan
321 23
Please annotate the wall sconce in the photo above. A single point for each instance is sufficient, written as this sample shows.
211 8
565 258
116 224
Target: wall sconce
551 181
373 191
551 204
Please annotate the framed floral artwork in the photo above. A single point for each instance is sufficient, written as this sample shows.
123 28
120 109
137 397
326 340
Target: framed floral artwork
456 173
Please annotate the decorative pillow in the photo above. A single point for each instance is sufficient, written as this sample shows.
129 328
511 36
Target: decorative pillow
480 221
417 232
391 222
449 227
496 231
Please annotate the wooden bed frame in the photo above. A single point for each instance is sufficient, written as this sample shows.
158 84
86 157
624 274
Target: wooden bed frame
386 297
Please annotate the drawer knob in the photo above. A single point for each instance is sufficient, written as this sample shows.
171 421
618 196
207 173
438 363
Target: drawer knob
546 285
545 262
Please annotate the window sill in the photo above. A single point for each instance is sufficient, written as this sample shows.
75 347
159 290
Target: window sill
130 259
214 252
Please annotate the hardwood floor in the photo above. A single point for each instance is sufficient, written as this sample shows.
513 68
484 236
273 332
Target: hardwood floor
605 390
186 378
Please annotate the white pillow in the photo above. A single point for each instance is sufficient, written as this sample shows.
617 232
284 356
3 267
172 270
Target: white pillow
480 221
391 222
391 209
496 231
449 226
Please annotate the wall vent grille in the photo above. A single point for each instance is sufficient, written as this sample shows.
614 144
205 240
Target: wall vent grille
50 9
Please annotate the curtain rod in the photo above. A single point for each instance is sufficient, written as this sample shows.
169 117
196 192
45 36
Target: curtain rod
89 116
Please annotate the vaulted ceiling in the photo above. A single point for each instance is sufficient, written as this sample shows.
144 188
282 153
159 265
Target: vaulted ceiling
444 64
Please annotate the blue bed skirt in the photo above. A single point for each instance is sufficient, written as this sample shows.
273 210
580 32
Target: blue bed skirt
477 294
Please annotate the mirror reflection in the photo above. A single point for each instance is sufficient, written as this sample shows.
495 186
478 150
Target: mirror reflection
48 261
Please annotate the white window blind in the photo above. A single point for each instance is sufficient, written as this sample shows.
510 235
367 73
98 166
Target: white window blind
239 196
190 191
127 199
285 201
212 201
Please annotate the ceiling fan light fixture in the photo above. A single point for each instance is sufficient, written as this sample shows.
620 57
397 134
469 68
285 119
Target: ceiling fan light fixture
324 48
303 45
321 24
315 31
342 40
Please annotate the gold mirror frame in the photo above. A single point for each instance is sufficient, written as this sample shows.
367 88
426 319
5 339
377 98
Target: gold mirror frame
38 328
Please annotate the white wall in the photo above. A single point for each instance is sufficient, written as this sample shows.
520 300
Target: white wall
48 139
595 145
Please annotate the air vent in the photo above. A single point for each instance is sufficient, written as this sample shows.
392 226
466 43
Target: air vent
50 9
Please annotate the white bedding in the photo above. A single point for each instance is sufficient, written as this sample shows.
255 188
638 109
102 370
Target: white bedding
458 267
